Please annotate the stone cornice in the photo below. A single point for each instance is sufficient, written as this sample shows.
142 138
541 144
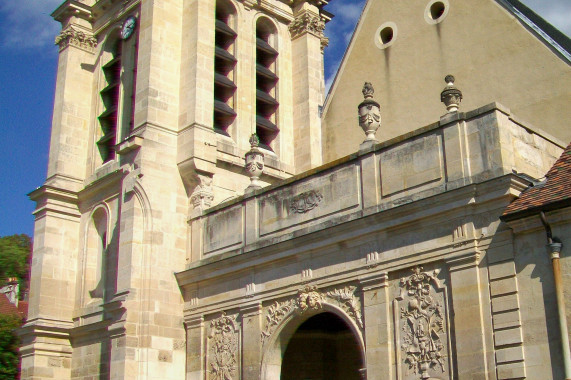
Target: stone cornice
75 37
72 8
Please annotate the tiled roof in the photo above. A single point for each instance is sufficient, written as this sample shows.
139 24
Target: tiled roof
554 192
6 307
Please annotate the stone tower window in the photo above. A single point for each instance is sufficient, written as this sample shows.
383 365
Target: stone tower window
224 67
110 97
118 94
266 82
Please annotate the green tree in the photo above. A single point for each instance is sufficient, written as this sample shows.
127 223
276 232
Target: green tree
9 346
14 258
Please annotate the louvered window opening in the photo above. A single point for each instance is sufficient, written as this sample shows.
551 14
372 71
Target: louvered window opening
110 98
266 80
224 64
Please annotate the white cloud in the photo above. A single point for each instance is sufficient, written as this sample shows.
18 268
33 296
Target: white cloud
27 23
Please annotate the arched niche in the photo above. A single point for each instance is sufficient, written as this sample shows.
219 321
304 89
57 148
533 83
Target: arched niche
296 324
95 255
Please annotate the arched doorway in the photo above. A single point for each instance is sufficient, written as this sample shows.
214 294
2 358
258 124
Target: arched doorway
322 347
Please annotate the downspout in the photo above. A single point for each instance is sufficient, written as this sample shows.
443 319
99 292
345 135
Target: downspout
555 248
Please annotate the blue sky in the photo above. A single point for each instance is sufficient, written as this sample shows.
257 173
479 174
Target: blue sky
28 62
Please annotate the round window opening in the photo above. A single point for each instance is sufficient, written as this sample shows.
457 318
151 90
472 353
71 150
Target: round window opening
386 35
437 10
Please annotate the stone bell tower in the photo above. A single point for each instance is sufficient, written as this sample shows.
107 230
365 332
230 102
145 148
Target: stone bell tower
155 103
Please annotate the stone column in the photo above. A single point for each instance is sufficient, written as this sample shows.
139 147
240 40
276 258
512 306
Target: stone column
468 316
376 304
195 352
73 97
251 341
46 348
307 36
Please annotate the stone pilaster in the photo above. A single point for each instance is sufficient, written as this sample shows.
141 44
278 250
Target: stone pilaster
195 350
73 96
251 341
308 88
468 316
376 304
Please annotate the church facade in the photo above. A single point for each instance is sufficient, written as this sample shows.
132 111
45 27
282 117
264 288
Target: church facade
204 218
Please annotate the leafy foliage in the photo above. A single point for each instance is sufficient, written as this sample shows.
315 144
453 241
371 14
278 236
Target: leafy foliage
14 256
8 346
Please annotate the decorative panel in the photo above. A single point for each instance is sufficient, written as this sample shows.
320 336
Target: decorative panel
421 326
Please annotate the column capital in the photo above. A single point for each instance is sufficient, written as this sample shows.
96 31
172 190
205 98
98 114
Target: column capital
74 36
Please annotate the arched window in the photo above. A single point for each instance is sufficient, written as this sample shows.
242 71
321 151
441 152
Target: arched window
224 67
266 82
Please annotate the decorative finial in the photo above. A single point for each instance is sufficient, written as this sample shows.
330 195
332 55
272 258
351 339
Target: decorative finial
254 141
369 113
451 96
254 164
368 90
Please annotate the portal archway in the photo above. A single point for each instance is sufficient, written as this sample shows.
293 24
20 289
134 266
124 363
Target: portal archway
318 345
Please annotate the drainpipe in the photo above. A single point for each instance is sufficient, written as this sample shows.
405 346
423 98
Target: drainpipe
555 249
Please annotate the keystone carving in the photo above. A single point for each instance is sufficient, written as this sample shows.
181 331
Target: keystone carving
74 37
224 345
305 202
307 23
310 298
422 324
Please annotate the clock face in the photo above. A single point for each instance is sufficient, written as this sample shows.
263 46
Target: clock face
128 27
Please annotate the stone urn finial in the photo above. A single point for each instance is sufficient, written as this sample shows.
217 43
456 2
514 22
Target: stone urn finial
451 96
254 164
369 113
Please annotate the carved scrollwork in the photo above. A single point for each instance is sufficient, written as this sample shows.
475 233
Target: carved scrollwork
72 36
422 324
305 202
275 315
349 302
223 351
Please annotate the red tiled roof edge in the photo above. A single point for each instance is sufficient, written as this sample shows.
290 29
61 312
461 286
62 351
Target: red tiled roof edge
555 193
6 307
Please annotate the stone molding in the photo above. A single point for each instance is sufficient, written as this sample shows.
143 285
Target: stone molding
74 37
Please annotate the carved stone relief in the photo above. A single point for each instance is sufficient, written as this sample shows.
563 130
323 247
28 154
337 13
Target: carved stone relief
305 202
422 326
223 350
307 23
202 196
72 36
310 298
